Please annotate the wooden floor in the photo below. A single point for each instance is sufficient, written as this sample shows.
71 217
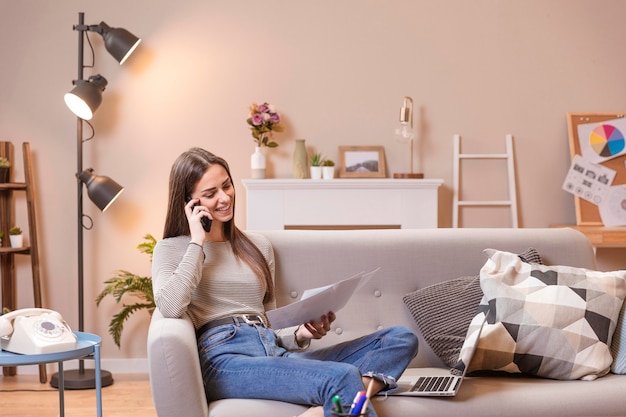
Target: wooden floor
25 396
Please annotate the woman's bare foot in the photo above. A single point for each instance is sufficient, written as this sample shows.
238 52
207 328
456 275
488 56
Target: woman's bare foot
313 412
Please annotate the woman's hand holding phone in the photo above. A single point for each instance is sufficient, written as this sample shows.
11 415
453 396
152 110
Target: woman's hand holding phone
199 220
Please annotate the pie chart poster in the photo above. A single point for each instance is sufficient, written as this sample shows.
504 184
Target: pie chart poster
602 141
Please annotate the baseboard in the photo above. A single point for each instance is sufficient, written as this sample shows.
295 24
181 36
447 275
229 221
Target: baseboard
115 366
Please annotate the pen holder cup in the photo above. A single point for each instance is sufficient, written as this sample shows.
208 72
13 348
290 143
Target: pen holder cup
346 413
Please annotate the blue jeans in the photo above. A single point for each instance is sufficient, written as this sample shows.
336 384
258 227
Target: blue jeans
244 361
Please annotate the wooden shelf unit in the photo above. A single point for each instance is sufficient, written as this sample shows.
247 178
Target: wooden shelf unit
7 253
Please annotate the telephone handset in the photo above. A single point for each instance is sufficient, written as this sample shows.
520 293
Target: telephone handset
206 222
35 331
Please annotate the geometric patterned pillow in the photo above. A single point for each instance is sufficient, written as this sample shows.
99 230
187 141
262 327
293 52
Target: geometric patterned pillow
549 321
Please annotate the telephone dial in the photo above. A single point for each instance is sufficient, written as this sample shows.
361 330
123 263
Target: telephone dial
35 331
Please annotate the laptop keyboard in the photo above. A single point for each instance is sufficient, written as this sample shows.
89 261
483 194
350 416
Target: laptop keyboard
433 383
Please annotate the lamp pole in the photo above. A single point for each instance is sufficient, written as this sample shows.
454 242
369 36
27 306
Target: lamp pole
80 378
79 184
79 190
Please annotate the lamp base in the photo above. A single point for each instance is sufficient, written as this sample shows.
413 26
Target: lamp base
408 175
75 379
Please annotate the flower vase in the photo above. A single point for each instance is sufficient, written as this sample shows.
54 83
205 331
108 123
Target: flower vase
257 164
299 160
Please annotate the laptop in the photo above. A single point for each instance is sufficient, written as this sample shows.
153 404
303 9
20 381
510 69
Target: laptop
442 382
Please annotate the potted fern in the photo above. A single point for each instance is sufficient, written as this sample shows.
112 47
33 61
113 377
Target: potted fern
127 283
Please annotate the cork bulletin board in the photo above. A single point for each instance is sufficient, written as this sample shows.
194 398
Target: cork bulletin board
587 213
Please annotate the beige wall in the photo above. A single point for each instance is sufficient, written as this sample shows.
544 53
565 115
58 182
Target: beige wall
336 70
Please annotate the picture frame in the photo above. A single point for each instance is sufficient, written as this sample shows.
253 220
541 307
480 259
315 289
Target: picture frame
362 162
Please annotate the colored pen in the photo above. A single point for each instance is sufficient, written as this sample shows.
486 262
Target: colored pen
356 400
337 402
368 395
359 400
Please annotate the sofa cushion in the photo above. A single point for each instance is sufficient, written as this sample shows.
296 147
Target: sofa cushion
443 311
550 321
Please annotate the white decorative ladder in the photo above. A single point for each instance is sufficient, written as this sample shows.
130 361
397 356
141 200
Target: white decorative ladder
457 203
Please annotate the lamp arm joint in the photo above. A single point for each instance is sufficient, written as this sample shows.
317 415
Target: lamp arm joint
92 28
82 28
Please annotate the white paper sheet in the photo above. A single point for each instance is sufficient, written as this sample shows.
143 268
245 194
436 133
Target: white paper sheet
613 207
318 301
587 180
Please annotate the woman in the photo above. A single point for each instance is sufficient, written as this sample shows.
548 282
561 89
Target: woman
224 280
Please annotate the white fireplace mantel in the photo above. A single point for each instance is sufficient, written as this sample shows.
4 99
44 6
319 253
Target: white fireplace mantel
354 203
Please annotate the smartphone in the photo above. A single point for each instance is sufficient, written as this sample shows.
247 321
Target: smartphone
206 222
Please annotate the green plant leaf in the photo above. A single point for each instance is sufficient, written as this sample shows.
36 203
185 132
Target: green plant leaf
116 326
148 245
125 283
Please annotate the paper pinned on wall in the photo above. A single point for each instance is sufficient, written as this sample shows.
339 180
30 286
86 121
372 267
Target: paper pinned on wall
588 180
602 141
613 207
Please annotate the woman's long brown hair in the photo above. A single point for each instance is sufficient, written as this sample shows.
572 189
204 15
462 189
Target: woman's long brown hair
187 170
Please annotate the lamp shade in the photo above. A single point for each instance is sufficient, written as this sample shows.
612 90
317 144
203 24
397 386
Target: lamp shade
101 190
86 96
119 42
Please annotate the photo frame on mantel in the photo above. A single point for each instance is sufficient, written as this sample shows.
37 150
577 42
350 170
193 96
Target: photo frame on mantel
587 213
362 162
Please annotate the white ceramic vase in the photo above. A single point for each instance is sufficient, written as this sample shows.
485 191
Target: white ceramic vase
328 173
257 164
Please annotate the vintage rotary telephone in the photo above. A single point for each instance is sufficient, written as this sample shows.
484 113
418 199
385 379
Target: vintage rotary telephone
35 331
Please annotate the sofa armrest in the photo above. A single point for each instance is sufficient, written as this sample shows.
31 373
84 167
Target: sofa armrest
174 366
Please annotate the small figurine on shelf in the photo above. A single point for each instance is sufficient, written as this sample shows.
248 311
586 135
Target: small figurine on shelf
5 164
16 237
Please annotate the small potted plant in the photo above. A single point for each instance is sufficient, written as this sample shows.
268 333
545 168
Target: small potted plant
328 169
316 165
16 237
5 164
1 237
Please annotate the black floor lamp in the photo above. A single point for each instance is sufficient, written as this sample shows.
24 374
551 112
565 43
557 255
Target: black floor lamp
83 100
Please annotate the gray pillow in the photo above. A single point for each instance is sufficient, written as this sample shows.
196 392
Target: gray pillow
444 311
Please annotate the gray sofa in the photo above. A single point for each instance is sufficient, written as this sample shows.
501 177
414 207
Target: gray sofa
409 259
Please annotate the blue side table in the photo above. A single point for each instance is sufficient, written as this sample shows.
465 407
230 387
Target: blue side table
87 345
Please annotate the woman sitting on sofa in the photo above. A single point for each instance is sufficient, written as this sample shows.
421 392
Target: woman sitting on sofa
223 279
